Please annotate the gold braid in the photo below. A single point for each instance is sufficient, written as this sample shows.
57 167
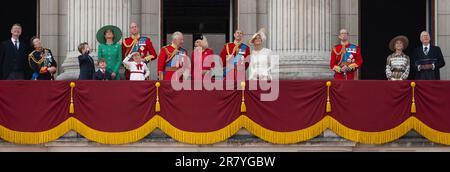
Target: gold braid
40 61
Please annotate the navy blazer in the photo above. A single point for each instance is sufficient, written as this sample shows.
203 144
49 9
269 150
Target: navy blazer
87 68
9 54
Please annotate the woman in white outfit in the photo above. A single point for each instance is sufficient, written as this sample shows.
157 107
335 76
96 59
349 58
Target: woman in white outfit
260 58
138 69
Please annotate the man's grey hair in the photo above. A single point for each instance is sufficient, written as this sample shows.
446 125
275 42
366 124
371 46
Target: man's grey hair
423 33
176 35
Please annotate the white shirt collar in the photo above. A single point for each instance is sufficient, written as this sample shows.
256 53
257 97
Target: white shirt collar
428 46
14 41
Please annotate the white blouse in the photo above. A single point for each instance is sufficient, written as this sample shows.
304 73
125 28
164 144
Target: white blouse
260 65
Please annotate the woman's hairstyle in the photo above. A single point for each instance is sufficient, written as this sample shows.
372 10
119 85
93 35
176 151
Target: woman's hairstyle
32 39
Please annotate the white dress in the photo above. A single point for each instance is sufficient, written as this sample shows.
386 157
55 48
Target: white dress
138 72
260 65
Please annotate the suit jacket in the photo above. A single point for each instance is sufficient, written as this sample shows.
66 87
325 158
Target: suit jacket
9 56
99 75
418 57
87 68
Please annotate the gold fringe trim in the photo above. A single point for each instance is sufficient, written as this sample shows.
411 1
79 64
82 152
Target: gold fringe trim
114 138
371 137
206 138
430 133
35 138
285 137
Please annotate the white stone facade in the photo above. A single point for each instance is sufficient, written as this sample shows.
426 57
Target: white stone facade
301 31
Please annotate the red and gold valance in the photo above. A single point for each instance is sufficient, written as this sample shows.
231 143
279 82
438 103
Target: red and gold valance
121 112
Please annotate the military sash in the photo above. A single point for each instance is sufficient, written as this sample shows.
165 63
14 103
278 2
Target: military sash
236 58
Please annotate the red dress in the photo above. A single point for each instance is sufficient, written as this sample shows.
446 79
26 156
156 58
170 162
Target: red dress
207 53
348 56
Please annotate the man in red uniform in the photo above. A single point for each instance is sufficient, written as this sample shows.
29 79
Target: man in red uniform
172 58
137 43
234 54
345 58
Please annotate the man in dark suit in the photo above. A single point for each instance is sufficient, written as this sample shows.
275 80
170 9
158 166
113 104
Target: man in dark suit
13 57
427 60
87 68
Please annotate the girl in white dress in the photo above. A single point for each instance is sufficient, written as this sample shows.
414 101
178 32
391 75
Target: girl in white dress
138 69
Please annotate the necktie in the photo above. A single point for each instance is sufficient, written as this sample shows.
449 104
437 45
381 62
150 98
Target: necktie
425 50
16 45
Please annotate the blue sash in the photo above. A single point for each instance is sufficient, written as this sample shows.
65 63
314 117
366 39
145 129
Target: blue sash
173 62
136 46
236 58
348 52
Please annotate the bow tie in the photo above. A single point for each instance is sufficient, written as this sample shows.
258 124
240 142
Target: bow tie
139 66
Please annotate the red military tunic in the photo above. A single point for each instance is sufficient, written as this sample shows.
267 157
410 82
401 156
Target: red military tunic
232 49
207 53
139 44
166 57
348 56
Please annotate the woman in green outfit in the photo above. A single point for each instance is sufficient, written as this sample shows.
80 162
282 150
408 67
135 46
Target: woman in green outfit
110 50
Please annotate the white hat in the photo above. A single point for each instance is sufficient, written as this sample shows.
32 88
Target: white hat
261 33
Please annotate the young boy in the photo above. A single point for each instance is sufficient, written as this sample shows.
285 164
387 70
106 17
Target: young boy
138 69
102 74
86 62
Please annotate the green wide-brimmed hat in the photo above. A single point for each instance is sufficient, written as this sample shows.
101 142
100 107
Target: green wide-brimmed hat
101 34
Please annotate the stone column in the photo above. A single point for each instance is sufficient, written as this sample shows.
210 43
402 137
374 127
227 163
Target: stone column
443 34
300 31
151 27
84 18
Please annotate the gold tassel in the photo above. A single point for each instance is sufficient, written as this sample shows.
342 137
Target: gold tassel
158 105
413 105
72 107
243 106
328 97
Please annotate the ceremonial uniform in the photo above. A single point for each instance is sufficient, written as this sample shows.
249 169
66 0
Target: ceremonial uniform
139 44
234 53
170 60
39 62
347 58
138 71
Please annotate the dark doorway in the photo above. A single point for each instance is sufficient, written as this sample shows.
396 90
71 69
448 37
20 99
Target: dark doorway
194 17
23 12
382 20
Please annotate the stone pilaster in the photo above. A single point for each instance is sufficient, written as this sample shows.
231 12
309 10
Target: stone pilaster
85 17
300 31
443 34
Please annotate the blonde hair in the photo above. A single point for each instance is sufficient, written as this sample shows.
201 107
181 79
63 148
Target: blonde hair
205 42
